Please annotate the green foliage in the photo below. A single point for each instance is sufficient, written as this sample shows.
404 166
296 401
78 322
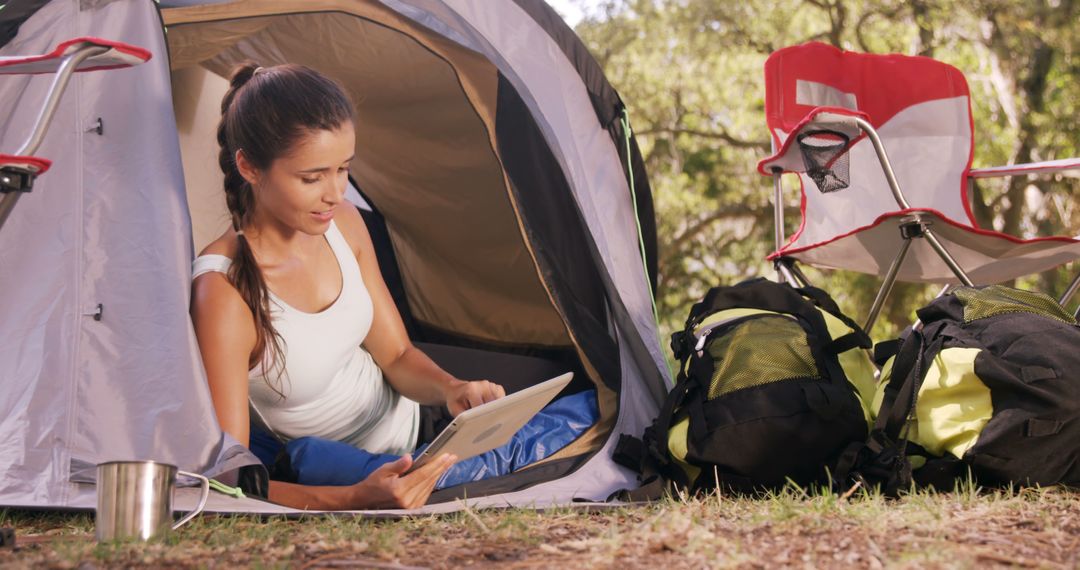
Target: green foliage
691 73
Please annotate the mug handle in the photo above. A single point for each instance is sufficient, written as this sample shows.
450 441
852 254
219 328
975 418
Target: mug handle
202 499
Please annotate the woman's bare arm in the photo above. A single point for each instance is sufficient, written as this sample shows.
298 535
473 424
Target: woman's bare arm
225 329
406 367
386 488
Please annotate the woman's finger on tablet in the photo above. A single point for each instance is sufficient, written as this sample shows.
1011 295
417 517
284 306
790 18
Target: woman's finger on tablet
497 391
434 469
422 481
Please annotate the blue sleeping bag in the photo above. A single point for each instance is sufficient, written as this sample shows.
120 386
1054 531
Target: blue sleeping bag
318 461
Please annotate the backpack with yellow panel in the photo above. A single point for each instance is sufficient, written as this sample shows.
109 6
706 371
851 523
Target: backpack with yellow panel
774 383
988 386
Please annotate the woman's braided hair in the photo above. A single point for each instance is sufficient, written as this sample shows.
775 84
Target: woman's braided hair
263 114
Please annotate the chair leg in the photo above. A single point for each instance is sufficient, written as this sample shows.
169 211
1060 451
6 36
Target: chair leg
1064 300
799 274
790 273
786 275
7 204
778 225
947 257
887 285
778 210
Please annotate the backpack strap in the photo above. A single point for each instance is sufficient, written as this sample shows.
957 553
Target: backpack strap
885 350
901 392
656 435
883 458
780 298
632 453
650 456
857 338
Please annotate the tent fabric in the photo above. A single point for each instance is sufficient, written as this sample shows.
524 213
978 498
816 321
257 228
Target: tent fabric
108 231
14 14
186 498
608 106
106 226
509 35
246 19
455 201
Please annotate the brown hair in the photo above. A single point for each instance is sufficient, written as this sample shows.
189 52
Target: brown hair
263 114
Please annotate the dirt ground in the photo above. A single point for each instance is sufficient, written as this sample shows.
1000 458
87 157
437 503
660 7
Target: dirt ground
1035 528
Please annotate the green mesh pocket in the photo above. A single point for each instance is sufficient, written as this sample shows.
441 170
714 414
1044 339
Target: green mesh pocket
999 300
757 352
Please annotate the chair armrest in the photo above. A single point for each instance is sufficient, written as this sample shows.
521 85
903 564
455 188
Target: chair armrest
107 54
789 159
1030 168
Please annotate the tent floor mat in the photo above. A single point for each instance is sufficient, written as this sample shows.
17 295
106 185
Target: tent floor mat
185 499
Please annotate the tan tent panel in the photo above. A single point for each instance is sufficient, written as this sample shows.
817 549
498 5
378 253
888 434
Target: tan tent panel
425 154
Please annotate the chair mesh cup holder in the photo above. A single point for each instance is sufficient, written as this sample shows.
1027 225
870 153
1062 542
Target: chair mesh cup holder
825 155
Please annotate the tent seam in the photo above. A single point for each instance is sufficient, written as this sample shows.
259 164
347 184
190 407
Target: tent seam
77 82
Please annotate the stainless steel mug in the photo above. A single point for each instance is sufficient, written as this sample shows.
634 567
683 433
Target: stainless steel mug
134 499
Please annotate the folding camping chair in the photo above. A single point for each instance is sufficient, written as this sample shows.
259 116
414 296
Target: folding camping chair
18 171
833 115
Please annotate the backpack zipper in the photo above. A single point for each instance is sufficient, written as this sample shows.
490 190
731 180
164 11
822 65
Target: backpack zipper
702 335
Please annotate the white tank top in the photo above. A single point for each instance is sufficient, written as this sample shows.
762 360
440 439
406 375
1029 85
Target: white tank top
333 388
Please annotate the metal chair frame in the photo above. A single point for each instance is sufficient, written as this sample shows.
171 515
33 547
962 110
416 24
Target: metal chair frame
67 66
912 226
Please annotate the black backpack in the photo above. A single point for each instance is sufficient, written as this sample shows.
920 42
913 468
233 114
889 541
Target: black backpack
989 386
765 393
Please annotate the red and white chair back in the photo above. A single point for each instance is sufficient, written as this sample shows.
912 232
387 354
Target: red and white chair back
919 107
920 110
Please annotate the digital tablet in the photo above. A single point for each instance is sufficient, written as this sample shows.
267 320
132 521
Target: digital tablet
491 425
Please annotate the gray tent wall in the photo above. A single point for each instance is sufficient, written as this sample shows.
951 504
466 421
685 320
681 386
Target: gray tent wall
536 65
109 225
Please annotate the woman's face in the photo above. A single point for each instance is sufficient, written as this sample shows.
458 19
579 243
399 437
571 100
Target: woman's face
301 189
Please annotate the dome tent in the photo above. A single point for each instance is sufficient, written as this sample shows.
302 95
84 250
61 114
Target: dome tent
491 155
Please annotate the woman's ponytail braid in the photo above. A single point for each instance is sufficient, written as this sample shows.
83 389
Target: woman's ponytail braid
265 112
244 273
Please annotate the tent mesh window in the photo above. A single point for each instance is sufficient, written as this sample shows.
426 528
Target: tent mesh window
998 300
825 155
757 352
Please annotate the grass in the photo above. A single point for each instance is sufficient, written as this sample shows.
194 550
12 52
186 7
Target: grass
793 527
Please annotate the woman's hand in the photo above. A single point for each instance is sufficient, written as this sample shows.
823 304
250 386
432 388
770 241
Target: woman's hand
462 395
388 487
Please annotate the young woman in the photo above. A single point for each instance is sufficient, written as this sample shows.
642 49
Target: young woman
291 313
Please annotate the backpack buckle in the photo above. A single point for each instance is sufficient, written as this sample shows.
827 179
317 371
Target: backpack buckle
678 345
700 345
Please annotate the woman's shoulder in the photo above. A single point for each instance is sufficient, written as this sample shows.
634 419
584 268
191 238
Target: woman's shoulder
221 317
352 227
226 245
215 258
211 288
